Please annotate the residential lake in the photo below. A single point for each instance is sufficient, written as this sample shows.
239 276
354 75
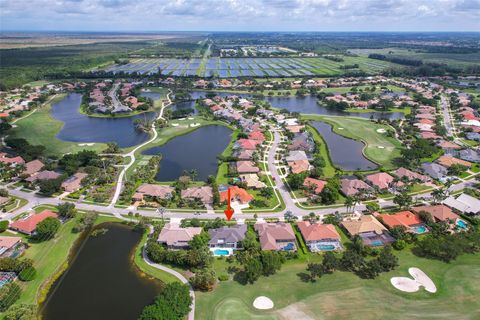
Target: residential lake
101 282
345 153
174 106
196 150
307 105
79 127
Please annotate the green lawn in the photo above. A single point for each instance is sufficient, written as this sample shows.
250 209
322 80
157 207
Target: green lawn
50 258
379 147
149 270
345 296
329 169
40 128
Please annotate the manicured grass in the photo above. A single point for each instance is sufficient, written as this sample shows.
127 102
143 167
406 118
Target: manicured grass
329 169
406 111
40 128
379 147
345 296
147 269
50 257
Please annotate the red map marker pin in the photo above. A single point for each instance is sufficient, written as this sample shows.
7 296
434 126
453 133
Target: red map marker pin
229 211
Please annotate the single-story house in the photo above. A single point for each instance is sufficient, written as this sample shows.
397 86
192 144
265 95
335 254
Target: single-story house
236 194
176 237
316 184
252 180
410 175
381 180
372 232
10 161
227 238
320 237
296 155
153 191
43 175
299 166
29 224
469 155
33 167
244 154
408 219
473 136
276 236
8 245
448 161
464 203
247 144
246 167
438 212
434 170
351 187
74 182
205 194
256 135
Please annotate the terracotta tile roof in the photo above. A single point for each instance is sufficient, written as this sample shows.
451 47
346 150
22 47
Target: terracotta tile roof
236 193
246 167
44 175
381 179
439 212
351 187
29 224
403 218
403 172
153 190
299 166
74 182
366 223
317 231
33 167
205 194
173 235
319 184
6 243
271 234
256 135
448 161
7 160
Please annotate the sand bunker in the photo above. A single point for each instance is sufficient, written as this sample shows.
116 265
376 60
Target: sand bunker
190 118
381 130
174 124
86 144
340 128
263 303
194 125
380 147
420 279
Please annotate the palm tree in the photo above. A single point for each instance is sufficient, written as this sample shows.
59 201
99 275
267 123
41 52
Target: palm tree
439 195
193 174
348 203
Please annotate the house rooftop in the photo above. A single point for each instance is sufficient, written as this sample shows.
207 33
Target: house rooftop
317 231
366 223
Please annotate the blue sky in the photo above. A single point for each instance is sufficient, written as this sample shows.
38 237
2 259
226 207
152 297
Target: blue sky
240 15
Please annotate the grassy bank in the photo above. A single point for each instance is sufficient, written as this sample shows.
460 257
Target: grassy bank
40 128
378 146
345 296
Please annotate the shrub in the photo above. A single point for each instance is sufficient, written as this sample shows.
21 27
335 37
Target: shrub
3 225
27 274
399 244
223 277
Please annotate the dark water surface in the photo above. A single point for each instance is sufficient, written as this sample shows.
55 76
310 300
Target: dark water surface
345 153
196 150
82 128
102 283
175 106
306 104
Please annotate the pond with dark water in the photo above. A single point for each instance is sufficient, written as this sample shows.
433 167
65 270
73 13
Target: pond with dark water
102 282
196 150
81 128
306 104
345 153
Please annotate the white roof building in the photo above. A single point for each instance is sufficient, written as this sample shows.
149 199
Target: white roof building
464 203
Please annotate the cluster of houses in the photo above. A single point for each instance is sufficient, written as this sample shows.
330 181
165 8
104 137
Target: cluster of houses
34 171
373 230
101 102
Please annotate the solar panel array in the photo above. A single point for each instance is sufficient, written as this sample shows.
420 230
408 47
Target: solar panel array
237 67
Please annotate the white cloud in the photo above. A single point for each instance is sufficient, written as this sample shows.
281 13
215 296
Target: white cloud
262 15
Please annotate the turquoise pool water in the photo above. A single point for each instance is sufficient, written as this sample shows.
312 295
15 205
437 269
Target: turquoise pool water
325 247
419 229
376 243
461 224
220 252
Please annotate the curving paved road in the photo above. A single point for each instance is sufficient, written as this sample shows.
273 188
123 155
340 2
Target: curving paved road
131 154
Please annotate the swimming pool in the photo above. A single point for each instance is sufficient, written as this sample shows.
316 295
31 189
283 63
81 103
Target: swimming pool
461 224
325 247
221 252
419 229
289 247
376 243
